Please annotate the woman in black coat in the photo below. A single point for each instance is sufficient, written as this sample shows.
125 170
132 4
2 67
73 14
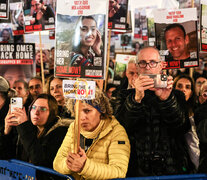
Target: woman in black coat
40 134
7 142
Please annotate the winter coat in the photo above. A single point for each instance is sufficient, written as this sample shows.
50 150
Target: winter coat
40 151
107 157
156 131
7 142
200 117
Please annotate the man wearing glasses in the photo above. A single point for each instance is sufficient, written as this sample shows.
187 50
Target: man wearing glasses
156 120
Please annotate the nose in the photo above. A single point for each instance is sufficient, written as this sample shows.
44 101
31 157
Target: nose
82 116
174 43
55 89
89 33
36 111
147 67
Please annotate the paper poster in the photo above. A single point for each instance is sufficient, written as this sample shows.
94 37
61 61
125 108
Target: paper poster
39 15
17 61
117 14
81 39
6 35
140 27
79 89
121 65
203 25
17 18
176 37
45 59
4 9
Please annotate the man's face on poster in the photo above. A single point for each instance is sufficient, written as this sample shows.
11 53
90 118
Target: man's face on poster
38 58
36 5
21 19
177 43
112 4
13 74
88 32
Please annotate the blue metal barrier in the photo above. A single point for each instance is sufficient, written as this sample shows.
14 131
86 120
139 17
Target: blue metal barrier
171 177
19 170
15 169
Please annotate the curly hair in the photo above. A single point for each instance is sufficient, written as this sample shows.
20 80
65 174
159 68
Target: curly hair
100 101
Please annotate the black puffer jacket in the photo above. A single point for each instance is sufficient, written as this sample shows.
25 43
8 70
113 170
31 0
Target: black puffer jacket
200 117
7 142
156 131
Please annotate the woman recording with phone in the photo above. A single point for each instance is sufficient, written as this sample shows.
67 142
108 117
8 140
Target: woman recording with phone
39 135
7 142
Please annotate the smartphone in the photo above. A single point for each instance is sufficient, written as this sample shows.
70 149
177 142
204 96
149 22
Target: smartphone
160 80
16 102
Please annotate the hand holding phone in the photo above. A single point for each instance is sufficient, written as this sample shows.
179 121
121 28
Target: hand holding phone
16 102
160 80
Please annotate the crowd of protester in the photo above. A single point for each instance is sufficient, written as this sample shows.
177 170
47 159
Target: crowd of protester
131 130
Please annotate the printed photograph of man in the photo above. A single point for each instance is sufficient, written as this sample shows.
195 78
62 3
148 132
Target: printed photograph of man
117 13
177 41
178 44
40 16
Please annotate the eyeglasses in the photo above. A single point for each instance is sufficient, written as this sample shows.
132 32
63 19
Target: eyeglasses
39 108
152 64
37 86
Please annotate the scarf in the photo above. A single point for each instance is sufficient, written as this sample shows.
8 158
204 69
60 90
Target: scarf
94 134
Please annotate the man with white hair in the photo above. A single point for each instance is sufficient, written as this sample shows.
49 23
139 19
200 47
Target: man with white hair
156 120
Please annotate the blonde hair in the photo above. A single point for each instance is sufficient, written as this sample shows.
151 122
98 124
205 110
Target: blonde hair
100 100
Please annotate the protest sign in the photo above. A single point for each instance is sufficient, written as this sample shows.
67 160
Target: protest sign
4 9
39 15
79 89
17 61
203 25
81 39
176 37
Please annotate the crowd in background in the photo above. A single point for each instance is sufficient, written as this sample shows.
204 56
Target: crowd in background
117 144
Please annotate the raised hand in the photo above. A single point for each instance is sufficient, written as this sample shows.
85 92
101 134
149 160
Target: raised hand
97 44
141 84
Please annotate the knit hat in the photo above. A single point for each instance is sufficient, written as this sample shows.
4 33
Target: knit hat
4 85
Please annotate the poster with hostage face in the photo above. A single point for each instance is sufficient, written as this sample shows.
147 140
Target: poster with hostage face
203 25
176 37
17 61
39 15
117 14
6 33
4 9
17 18
80 39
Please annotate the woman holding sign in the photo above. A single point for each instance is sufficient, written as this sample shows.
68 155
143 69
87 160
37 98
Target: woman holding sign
87 42
106 148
